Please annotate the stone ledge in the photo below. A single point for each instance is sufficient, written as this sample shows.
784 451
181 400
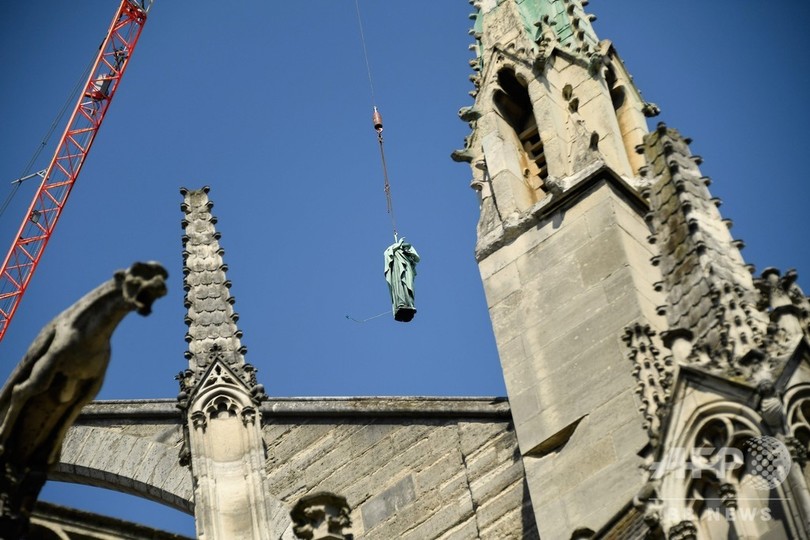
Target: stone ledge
132 408
378 406
570 190
395 407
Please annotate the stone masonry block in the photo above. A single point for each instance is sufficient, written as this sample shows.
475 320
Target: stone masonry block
589 88
605 494
73 444
501 284
345 454
571 393
388 502
540 300
497 260
551 517
626 286
586 462
548 255
441 521
507 318
601 218
496 454
504 528
274 431
285 440
630 220
416 453
592 198
526 404
107 446
475 435
463 531
630 438
286 476
599 116
566 317
604 324
429 515
507 500
601 257
612 415
514 360
496 481
639 252
442 470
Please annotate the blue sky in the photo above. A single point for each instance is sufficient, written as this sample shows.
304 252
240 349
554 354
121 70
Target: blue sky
269 104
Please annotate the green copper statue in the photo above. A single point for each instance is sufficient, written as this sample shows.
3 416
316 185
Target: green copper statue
400 270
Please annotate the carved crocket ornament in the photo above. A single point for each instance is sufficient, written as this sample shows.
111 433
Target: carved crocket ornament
62 371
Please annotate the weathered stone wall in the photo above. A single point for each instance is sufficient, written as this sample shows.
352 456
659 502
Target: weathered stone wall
130 446
410 468
559 297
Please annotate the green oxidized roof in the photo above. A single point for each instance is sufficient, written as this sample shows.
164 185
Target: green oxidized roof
566 19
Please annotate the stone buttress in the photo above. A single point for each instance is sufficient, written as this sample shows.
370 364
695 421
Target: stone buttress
562 249
220 397
728 383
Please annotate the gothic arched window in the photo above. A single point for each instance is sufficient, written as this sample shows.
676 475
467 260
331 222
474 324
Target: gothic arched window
513 103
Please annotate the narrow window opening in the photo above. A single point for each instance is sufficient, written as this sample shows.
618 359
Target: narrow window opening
533 146
513 103
617 92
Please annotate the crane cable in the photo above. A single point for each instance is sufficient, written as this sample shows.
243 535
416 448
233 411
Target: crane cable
378 127
43 143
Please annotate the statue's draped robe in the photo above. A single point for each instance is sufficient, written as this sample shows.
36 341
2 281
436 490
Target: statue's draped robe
400 271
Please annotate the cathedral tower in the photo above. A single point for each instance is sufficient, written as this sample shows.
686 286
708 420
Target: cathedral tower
563 250
594 231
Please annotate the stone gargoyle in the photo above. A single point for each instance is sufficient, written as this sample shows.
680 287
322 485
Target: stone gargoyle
62 371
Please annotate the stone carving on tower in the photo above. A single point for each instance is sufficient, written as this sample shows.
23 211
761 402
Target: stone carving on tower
220 397
322 516
727 457
562 250
550 99
598 241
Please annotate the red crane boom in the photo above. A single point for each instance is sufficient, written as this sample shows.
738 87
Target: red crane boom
49 200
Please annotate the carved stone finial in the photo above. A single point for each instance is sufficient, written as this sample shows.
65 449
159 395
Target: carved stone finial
648 503
321 516
650 110
798 451
770 406
213 334
653 375
728 495
685 530
709 290
788 306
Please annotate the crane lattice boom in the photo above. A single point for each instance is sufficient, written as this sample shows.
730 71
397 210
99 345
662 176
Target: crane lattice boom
49 200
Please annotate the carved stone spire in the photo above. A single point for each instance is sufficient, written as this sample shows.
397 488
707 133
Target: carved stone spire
220 397
212 333
733 339
552 105
710 291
